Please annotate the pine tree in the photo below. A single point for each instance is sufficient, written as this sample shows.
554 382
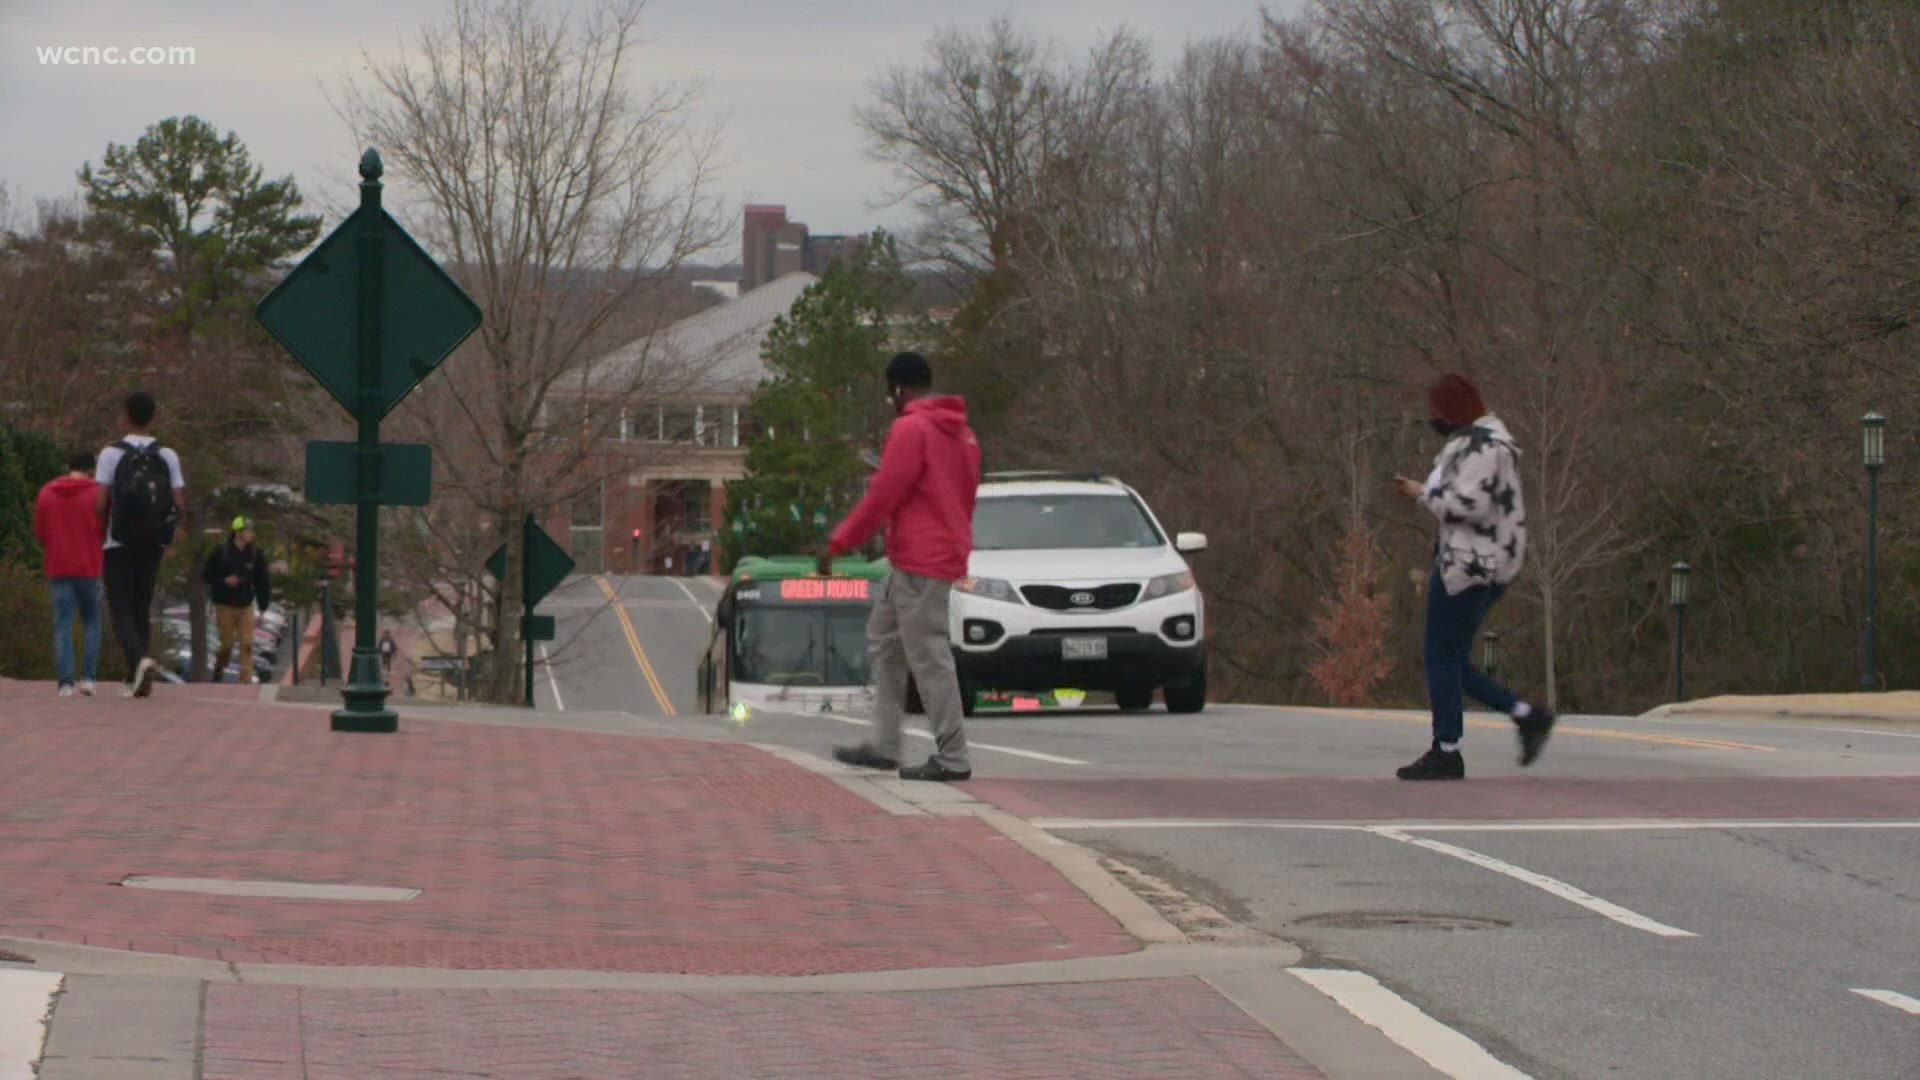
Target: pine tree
823 404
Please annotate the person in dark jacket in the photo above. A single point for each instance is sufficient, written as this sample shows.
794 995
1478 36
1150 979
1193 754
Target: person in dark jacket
923 495
66 521
236 577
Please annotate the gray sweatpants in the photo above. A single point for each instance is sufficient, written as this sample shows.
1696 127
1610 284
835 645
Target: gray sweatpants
908 633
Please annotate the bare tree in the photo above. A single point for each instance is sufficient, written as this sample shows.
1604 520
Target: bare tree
566 200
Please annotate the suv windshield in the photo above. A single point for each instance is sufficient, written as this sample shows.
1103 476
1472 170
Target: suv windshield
792 645
1041 522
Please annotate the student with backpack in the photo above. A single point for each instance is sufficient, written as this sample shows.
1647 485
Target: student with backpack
143 498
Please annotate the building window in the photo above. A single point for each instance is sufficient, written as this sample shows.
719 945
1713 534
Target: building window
678 423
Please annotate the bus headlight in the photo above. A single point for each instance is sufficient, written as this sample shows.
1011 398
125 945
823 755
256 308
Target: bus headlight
989 588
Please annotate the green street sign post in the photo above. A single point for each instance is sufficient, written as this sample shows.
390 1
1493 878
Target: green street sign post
331 312
543 566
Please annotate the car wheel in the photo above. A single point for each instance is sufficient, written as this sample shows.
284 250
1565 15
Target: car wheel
1134 700
967 694
1189 695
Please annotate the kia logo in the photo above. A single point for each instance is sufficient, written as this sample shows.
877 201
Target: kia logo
1082 599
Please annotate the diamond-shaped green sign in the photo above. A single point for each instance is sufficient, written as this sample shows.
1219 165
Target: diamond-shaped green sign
548 564
425 314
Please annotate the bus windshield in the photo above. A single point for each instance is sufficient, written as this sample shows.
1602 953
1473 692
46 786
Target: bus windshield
800 645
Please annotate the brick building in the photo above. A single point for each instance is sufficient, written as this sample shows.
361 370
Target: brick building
772 247
673 459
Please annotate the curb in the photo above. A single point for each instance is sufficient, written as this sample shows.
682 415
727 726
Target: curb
1078 865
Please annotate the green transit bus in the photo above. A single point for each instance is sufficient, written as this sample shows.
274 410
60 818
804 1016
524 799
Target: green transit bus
785 638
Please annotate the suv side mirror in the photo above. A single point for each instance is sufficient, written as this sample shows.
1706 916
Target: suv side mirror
1190 543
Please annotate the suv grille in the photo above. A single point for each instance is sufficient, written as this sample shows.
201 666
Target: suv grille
1060 598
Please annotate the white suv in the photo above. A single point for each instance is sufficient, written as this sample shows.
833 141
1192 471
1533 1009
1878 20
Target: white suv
1073 583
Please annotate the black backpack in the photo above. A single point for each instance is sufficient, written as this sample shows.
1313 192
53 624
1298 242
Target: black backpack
143 512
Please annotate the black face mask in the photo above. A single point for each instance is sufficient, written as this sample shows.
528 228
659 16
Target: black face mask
1446 430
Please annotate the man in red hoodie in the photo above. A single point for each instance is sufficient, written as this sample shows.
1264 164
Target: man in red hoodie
66 519
923 496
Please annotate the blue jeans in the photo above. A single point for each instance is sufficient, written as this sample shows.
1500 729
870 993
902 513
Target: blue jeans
75 595
1452 623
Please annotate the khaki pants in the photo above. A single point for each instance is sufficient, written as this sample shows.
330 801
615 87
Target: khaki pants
236 630
908 633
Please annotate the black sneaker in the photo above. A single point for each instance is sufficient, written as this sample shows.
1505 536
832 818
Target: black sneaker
863 756
934 771
1436 764
1535 728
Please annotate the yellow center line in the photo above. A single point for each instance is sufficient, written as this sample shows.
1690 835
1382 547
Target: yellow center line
1559 729
633 642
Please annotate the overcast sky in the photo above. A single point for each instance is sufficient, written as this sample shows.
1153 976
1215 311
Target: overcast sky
786 73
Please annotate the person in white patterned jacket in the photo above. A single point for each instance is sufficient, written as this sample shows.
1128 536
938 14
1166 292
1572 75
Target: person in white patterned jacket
1474 494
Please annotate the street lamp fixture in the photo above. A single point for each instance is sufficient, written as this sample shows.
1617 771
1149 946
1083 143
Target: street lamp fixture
1873 454
1679 585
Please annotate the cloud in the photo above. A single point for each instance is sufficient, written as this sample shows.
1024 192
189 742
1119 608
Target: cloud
787 77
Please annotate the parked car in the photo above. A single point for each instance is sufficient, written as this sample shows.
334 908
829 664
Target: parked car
1074 583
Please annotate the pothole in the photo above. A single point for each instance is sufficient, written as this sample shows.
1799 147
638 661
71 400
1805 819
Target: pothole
1399 920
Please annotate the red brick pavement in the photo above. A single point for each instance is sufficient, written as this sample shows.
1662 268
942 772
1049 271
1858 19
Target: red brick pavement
534 848
1504 799
1158 1029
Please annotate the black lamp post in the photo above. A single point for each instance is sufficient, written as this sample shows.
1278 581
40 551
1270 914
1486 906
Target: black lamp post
1489 651
1873 454
1677 589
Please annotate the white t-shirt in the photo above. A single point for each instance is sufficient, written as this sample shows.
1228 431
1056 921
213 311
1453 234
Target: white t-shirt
110 463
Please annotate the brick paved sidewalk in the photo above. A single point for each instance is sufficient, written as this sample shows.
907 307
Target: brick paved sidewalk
1149 1029
534 848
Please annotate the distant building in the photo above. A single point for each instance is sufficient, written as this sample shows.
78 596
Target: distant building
669 468
772 247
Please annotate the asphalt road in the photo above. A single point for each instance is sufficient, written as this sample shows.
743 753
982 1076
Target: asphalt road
1685 899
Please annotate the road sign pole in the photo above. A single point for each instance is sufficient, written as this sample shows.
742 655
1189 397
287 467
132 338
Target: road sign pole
365 696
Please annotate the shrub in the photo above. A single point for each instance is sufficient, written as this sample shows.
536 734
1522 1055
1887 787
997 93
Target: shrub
1353 631
26 629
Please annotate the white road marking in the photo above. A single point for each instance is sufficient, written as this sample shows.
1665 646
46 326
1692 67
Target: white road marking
1035 755
1653 825
558 704
1539 881
1400 1020
697 605
275 890
1888 997
26 1004
1869 731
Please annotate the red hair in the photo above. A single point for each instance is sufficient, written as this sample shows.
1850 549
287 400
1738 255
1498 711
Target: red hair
1455 400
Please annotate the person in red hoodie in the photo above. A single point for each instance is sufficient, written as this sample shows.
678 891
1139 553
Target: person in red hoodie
923 495
66 519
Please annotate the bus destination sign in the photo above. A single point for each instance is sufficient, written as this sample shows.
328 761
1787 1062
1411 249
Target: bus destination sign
854 589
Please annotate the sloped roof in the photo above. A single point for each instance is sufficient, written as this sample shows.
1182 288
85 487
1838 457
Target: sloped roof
722 343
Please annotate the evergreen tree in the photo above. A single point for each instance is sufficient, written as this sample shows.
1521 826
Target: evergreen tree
822 405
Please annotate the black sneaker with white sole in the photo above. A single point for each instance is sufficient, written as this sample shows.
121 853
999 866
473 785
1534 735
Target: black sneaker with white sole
1436 764
1535 728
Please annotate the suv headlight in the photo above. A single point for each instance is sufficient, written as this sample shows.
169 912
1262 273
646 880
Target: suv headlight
989 588
1169 584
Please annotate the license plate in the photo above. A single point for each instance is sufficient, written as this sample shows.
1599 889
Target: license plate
1083 648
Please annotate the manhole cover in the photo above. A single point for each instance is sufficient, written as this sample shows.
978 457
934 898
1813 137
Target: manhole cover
1399 920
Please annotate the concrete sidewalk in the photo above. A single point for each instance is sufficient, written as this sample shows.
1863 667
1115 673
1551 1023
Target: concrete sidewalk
567 903
1897 708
